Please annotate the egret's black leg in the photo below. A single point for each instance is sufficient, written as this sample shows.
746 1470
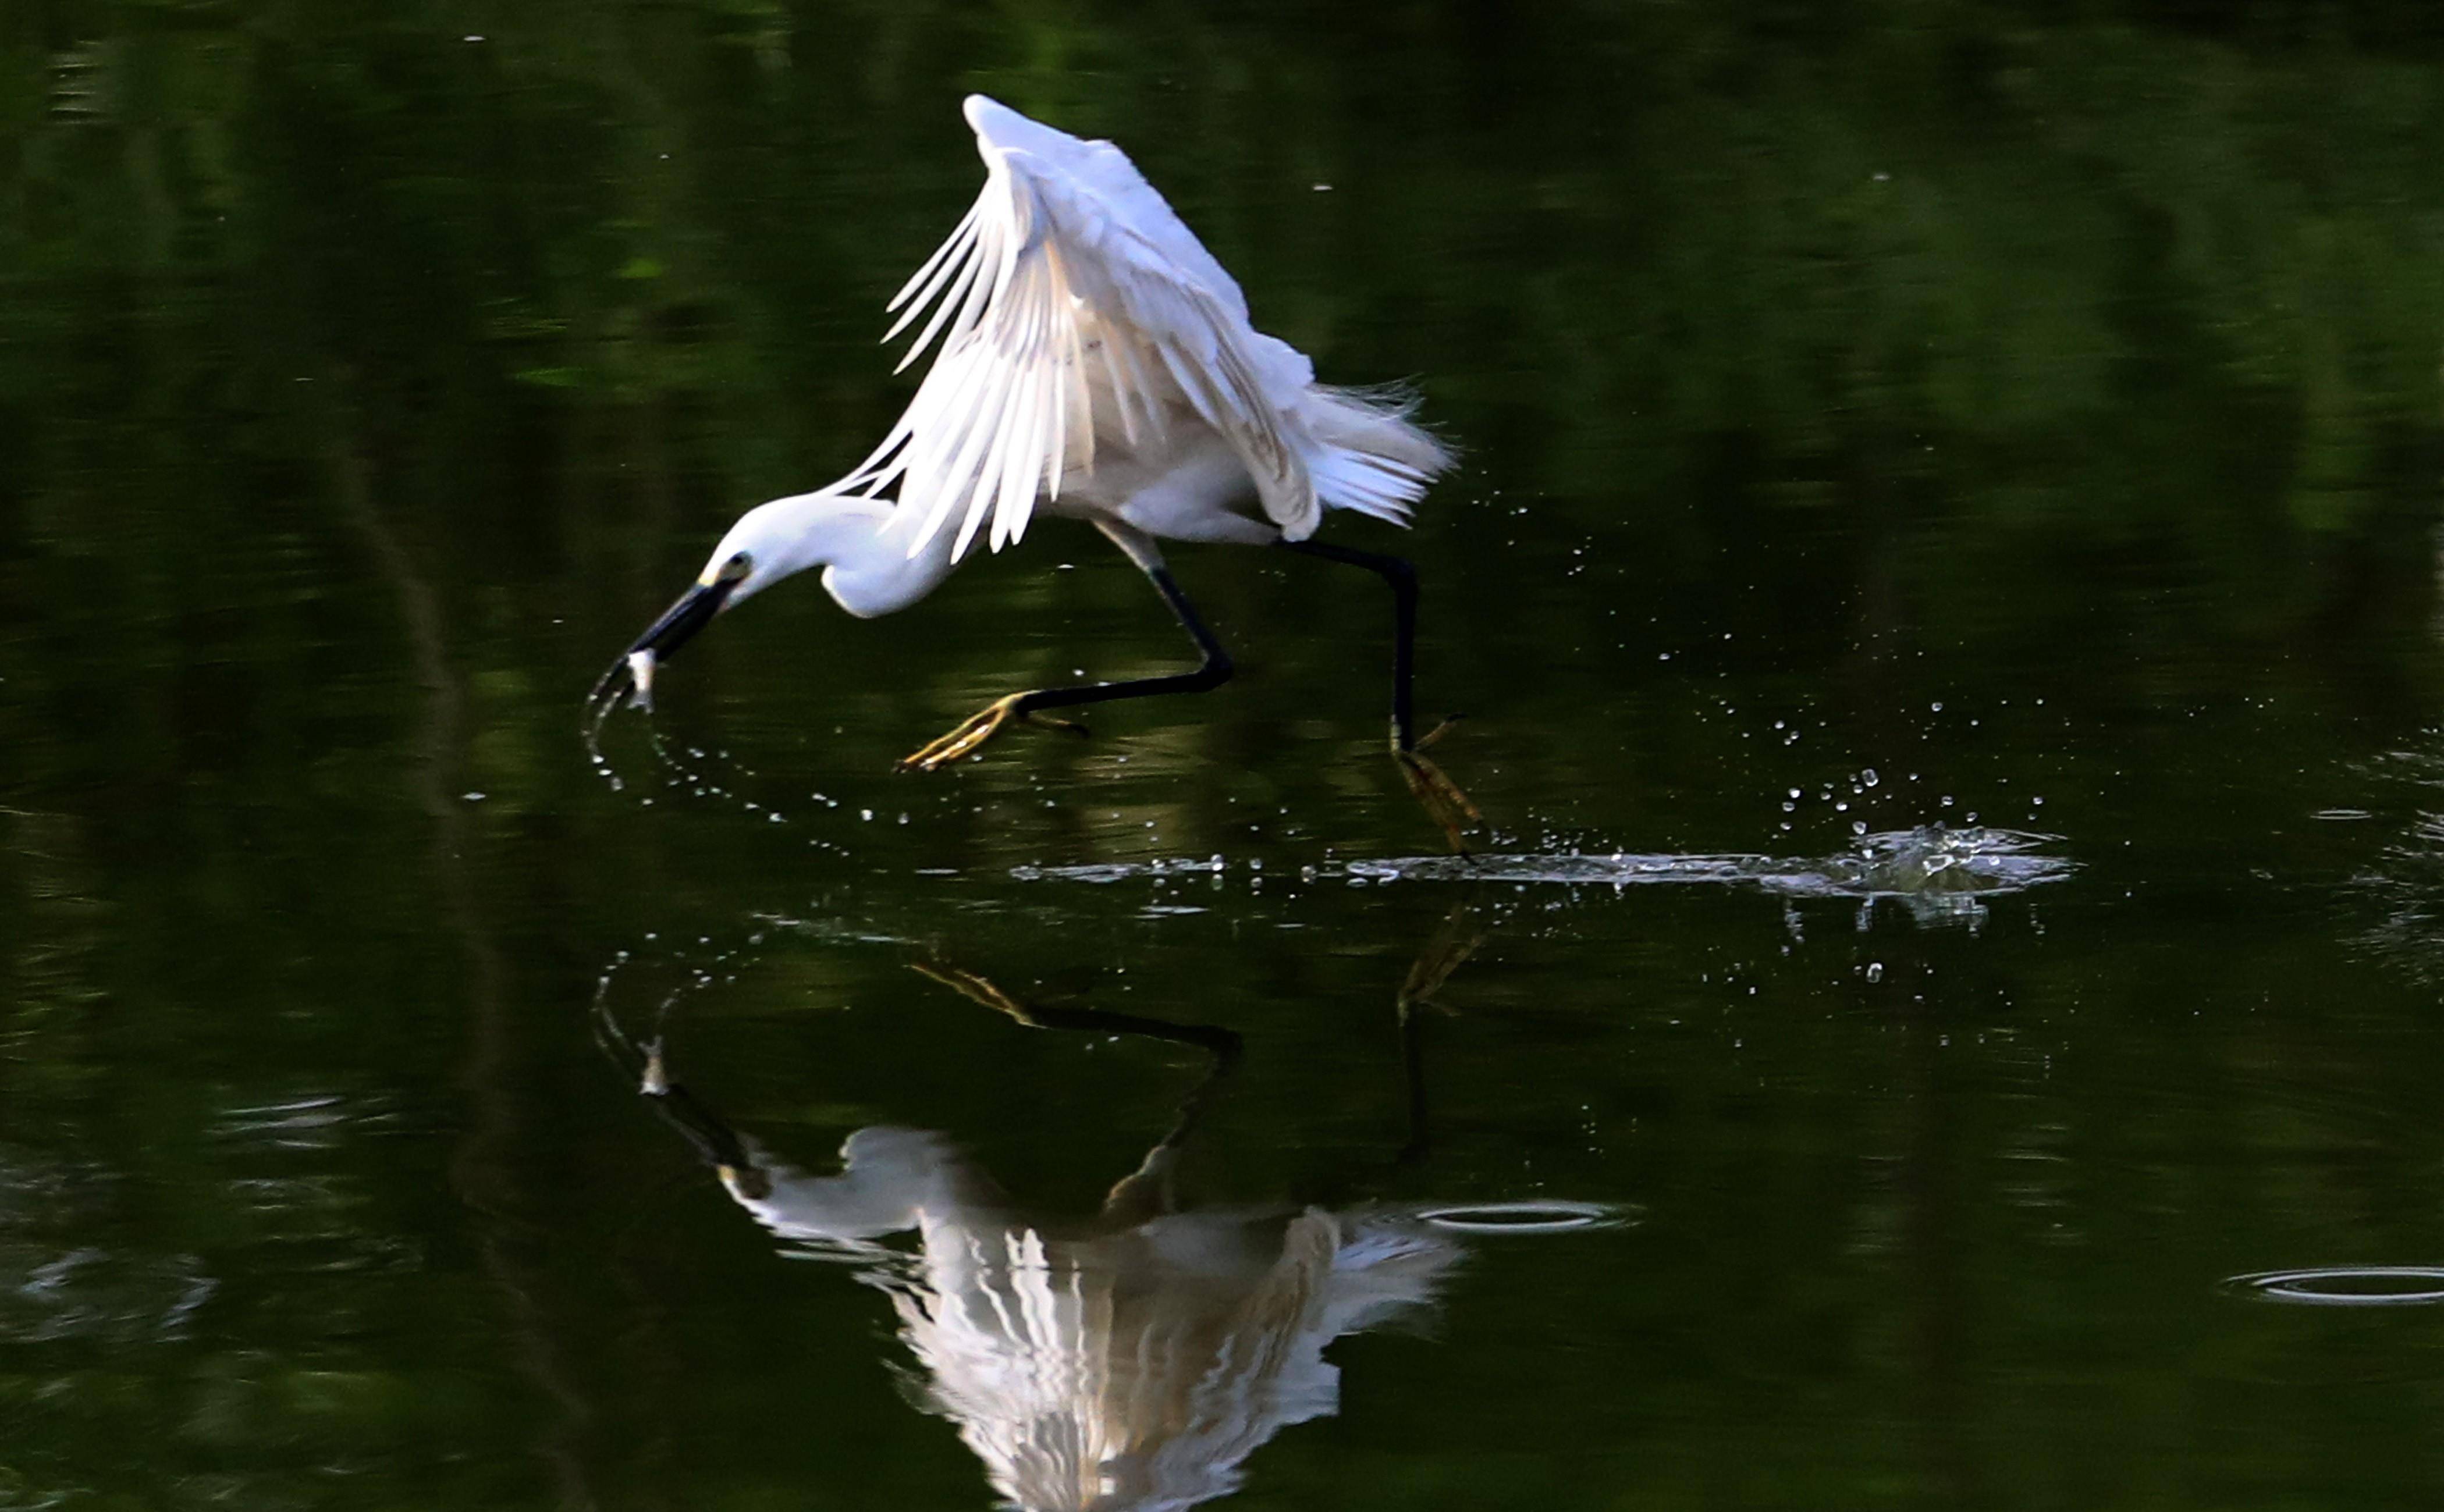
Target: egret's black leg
1444 803
1402 577
1211 674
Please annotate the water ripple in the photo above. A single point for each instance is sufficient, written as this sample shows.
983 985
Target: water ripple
1532 1216
2345 1285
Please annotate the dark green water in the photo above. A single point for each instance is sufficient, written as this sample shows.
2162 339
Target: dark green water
2035 405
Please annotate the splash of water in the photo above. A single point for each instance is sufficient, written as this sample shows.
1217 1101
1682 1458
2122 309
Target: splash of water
1936 871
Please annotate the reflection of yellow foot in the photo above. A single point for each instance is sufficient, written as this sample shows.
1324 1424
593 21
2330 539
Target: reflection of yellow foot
977 989
975 730
1458 938
1444 803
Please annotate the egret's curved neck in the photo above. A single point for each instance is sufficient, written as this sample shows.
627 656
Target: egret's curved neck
861 545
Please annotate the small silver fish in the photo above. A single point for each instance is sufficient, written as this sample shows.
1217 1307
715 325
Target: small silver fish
641 673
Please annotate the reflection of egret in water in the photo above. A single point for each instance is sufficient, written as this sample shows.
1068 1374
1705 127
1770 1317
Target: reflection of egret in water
1133 1358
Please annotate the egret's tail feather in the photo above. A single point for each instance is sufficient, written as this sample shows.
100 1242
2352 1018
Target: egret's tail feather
1373 458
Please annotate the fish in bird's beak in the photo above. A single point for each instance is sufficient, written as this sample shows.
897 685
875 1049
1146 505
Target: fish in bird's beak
633 673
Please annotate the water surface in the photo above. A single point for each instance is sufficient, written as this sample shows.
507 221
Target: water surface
1944 589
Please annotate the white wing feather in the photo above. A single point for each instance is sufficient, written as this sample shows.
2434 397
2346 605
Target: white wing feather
1070 298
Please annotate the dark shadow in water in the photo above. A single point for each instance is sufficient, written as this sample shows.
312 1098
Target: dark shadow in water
482 1165
1132 1357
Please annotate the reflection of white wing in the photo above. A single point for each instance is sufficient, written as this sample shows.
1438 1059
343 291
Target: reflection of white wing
1132 1369
1139 1370
1071 302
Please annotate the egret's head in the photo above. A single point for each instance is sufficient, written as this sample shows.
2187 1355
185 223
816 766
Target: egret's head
768 544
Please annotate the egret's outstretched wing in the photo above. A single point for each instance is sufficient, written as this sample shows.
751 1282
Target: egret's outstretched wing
1071 297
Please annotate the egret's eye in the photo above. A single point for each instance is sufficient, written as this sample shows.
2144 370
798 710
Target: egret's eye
736 568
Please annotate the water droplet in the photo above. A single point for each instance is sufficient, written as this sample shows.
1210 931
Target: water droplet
1875 971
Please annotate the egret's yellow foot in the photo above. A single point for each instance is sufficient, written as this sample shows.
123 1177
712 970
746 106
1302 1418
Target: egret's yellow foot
1444 803
975 730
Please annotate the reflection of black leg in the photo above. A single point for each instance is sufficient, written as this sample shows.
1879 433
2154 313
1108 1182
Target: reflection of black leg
1454 940
1211 674
1223 1045
1147 1191
1413 1066
1444 803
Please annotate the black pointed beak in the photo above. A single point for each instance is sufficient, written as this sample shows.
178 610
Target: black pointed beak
659 643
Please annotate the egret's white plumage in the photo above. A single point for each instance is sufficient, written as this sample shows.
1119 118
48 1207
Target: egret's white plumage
1092 359
1090 344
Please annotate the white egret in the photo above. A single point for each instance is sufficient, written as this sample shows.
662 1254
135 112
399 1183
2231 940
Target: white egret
1095 362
